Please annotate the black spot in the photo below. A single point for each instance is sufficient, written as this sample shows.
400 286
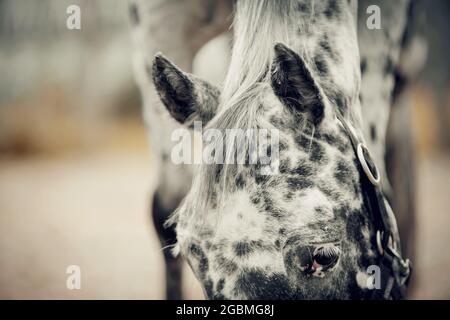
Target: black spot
261 179
321 64
303 170
328 191
277 213
373 132
255 284
308 129
343 174
225 265
256 199
240 181
242 249
134 14
317 111
302 141
259 244
289 195
333 10
317 153
218 172
219 296
303 6
268 203
278 244
277 121
333 140
199 255
284 166
340 212
208 286
282 145
220 285
299 183
325 45
363 65
340 102
356 187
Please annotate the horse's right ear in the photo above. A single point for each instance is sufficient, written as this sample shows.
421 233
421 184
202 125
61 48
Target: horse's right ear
294 84
186 97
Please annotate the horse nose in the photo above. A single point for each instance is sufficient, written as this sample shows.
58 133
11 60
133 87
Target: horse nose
304 260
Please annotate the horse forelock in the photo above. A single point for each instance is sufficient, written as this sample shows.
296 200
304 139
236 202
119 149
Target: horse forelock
258 25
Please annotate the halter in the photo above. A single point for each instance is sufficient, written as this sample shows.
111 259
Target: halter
395 271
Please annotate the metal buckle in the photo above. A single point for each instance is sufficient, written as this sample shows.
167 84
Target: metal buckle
379 245
390 244
361 148
405 264
374 177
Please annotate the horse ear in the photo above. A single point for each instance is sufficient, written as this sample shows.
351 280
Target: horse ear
294 84
186 97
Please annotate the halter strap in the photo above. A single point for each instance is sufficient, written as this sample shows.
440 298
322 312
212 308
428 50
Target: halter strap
395 270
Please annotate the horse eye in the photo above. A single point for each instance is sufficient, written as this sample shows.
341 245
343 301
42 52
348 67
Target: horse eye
326 256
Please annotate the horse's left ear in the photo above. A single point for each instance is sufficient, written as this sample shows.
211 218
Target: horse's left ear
186 97
293 83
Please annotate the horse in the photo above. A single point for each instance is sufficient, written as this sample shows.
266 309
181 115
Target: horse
307 231
152 22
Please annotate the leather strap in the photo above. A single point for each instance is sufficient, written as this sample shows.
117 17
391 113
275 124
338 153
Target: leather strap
395 271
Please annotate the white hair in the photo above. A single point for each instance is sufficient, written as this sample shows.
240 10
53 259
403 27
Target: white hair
258 26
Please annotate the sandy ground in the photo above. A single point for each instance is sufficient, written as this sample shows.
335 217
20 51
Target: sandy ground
91 210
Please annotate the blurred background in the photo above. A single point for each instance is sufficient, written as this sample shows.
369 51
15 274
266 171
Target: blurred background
76 170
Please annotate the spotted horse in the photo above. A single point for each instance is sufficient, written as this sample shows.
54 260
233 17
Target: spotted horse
313 230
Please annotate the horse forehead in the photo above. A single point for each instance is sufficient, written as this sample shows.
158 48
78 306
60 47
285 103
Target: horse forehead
244 221
262 207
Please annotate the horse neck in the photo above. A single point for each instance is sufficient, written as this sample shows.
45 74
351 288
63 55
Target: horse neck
325 36
323 33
